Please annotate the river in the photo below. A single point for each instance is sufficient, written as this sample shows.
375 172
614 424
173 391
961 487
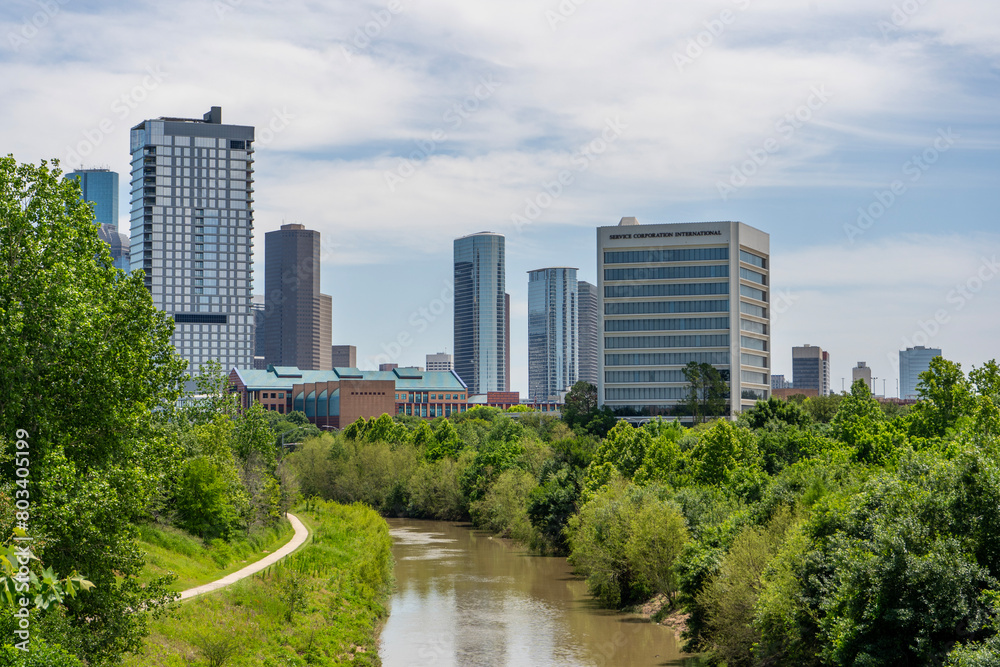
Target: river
468 599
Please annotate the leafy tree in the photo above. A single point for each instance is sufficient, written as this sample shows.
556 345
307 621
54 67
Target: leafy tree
775 410
85 359
444 443
621 452
986 379
861 424
721 450
945 397
707 393
821 409
580 405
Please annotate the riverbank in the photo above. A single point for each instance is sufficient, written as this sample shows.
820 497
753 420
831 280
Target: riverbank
322 605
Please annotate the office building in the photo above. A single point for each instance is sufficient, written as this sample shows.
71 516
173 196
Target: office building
779 382
481 348
912 362
552 332
506 341
100 188
192 230
344 356
863 372
672 294
298 327
440 362
588 338
811 369
388 367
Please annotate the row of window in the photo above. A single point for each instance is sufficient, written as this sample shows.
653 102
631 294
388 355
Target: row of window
753 360
668 324
753 293
750 309
751 258
666 358
753 327
756 378
646 393
423 397
623 377
656 307
703 340
753 276
673 255
668 272
753 343
638 291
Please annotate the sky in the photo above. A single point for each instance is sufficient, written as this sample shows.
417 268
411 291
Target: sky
863 136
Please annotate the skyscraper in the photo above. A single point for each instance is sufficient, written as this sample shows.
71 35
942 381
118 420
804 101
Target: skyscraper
100 187
480 312
811 369
863 372
912 362
672 294
192 225
552 332
588 339
298 326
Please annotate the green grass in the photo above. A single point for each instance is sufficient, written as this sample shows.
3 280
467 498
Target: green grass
342 575
195 562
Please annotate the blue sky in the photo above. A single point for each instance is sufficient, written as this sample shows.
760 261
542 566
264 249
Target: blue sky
395 127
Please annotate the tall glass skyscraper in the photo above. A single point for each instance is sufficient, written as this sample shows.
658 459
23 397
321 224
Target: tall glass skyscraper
552 332
480 313
192 231
588 339
100 187
912 362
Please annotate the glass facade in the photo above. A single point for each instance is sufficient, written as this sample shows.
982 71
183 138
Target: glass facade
480 316
192 230
589 339
912 362
100 187
553 361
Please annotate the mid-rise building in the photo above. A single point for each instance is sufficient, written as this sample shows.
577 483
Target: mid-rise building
672 294
779 382
912 362
552 332
441 361
863 372
588 337
811 369
344 356
192 230
481 348
298 326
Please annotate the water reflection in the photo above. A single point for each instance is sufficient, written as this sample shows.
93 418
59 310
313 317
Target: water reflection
464 598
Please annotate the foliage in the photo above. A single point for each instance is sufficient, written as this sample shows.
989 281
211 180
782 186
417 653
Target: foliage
707 393
96 454
773 410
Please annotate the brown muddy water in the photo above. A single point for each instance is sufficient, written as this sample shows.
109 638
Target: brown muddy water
466 599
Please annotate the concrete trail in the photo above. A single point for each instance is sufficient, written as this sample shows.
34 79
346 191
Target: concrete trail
301 534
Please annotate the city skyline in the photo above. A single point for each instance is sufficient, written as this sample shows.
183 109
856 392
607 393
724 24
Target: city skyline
862 140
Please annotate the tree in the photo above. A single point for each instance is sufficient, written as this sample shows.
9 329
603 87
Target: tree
775 410
581 404
707 393
85 359
945 397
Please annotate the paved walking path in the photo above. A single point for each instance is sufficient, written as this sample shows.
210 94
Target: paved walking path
301 533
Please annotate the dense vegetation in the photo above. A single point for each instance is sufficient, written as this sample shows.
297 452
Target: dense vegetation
829 531
320 606
99 446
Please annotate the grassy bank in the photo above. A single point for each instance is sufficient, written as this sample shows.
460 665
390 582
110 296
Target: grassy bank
323 605
196 561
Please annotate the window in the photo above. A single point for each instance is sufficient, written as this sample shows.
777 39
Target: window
750 309
666 307
753 360
756 378
753 327
668 324
676 255
753 343
753 293
702 340
750 258
753 276
637 291
669 272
